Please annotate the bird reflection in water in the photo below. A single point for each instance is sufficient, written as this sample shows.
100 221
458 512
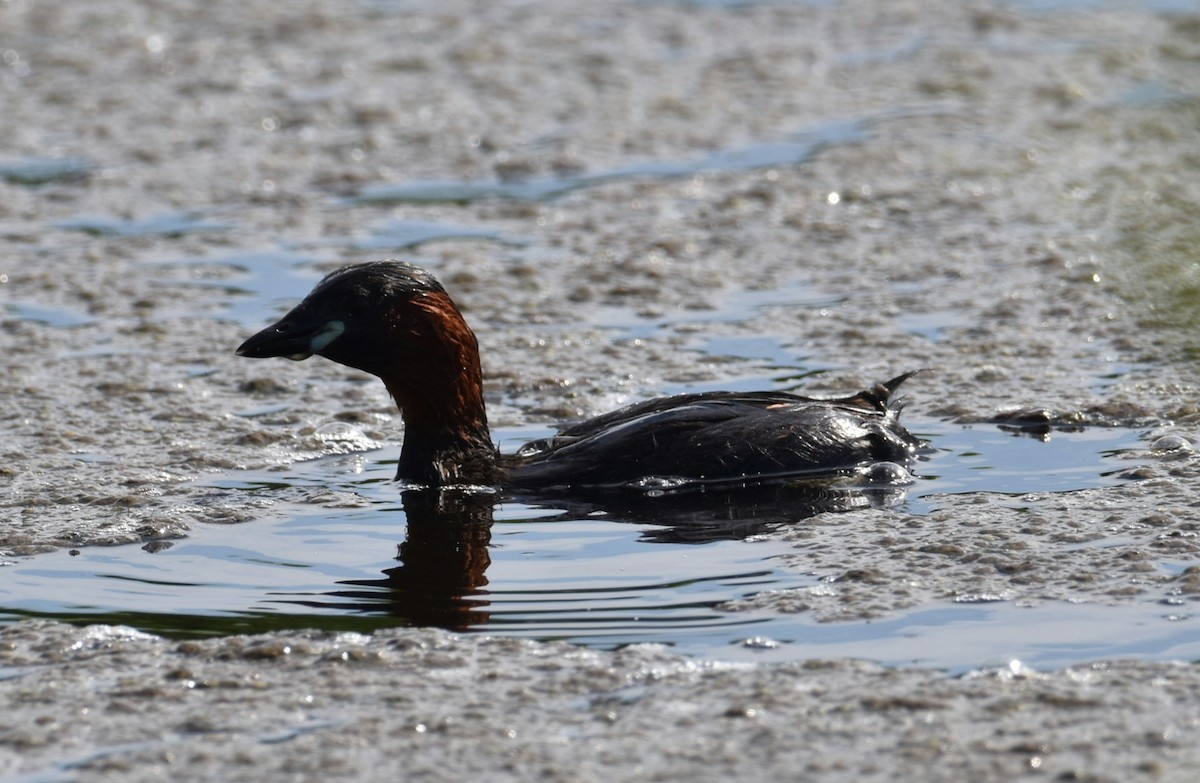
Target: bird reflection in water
441 579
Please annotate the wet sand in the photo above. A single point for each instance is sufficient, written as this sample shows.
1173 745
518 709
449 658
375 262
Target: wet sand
1003 195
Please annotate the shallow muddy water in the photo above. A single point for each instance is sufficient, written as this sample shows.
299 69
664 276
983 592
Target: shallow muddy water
636 570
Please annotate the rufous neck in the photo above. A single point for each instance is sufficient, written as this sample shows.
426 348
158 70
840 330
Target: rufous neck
446 436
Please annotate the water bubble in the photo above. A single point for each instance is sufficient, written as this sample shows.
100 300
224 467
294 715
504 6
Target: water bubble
886 474
1171 443
656 486
339 431
760 643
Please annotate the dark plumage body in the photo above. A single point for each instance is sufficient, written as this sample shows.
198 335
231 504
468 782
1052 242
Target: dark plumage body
395 321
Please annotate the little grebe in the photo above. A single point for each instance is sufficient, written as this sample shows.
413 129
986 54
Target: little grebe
395 321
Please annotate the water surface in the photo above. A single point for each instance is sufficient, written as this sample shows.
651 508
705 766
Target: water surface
345 548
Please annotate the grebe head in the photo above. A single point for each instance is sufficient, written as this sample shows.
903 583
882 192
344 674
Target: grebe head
365 316
395 321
